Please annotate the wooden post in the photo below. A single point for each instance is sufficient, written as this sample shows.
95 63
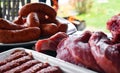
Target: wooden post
0 10
9 8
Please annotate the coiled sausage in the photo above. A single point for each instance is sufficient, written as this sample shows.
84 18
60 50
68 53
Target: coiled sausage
37 7
5 24
16 36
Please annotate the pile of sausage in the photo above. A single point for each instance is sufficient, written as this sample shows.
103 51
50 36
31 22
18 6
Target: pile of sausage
34 20
19 61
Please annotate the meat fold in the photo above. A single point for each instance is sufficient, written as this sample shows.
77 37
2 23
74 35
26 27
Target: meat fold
113 25
105 52
93 50
76 49
50 43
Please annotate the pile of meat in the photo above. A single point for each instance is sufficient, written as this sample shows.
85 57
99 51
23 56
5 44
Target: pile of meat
19 61
93 50
35 20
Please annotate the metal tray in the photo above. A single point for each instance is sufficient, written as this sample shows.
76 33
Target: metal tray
64 66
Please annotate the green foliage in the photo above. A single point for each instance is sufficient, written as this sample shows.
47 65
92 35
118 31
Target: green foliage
83 6
100 13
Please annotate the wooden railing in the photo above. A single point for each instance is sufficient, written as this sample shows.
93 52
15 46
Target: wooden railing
9 8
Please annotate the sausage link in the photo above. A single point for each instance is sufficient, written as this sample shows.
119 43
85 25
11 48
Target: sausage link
37 7
36 67
23 67
19 20
15 63
43 18
50 69
32 20
62 27
14 56
5 24
49 29
16 36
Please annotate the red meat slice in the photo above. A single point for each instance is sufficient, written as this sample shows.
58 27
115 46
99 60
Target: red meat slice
113 25
50 43
106 53
76 49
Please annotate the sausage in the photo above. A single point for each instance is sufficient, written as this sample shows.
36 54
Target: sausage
16 55
5 24
44 19
32 20
37 7
23 67
62 27
17 51
16 36
49 29
36 67
15 63
20 20
51 69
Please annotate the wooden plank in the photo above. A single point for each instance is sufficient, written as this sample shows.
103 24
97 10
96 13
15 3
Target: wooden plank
4 9
13 9
0 9
8 10
22 2
17 7
28 1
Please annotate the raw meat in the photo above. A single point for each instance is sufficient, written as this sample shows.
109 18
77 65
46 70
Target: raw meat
113 25
76 49
50 43
105 52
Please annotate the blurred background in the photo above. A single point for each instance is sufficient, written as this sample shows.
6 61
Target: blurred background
95 13
92 13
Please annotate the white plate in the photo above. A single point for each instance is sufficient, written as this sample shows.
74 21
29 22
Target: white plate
65 66
4 47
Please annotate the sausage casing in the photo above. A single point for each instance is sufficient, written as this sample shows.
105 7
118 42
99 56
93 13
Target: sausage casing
32 20
16 36
5 24
36 7
19 20
49 29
